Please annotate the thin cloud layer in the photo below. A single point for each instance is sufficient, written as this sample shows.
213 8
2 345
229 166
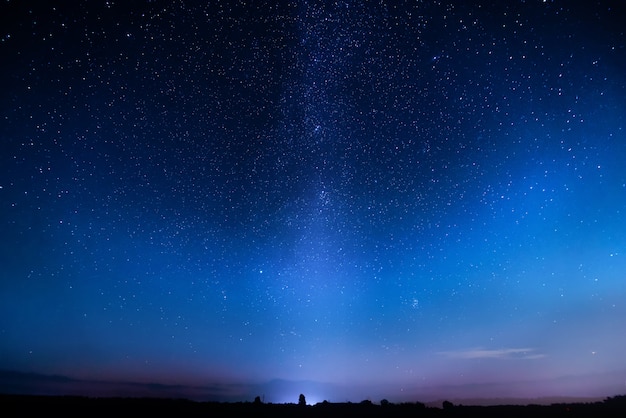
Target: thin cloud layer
503 353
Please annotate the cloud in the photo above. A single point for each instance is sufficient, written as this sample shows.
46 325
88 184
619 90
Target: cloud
503 353
14 382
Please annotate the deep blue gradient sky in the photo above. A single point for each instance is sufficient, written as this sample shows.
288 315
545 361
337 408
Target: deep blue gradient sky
410 200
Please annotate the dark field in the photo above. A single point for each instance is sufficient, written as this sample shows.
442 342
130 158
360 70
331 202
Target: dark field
63 406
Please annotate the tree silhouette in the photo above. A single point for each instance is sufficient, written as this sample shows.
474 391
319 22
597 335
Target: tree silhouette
302 400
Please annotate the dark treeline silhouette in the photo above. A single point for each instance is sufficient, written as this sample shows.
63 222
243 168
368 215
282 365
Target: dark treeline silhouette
28 405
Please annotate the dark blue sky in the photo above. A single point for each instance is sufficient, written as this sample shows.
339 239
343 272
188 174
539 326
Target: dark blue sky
405 200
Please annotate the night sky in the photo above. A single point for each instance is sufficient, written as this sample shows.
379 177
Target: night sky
350 200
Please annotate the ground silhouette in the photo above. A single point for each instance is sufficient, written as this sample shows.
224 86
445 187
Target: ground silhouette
27 405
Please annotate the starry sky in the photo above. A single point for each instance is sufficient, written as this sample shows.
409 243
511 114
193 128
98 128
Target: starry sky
412 200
